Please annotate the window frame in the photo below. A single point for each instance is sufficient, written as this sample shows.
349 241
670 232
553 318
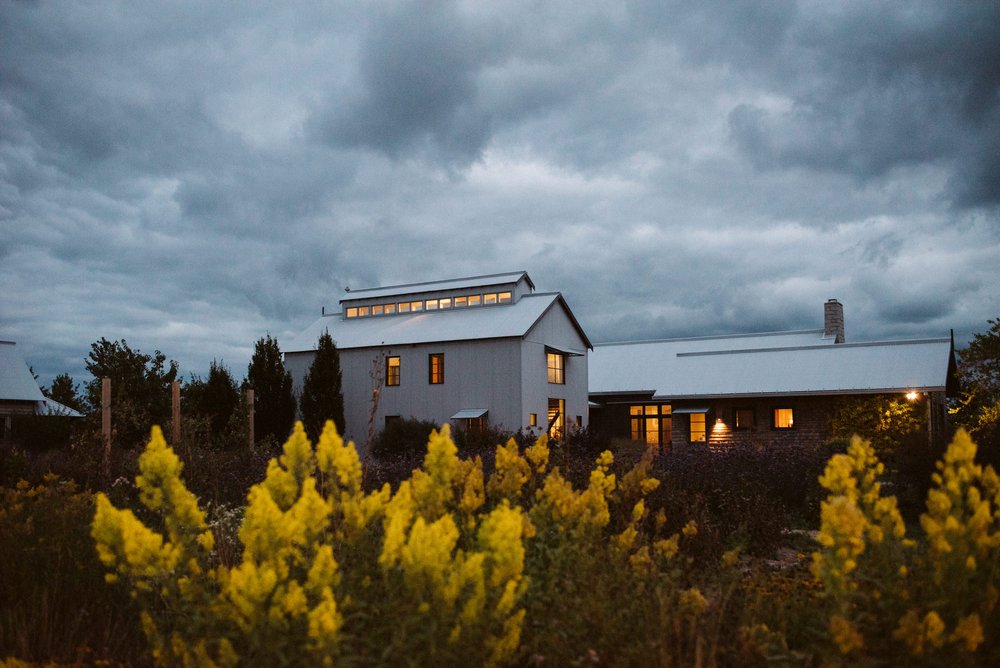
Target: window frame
435 376
744 427
556 374
389 367
774 418
703 431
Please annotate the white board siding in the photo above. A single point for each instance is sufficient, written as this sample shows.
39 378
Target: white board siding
554 329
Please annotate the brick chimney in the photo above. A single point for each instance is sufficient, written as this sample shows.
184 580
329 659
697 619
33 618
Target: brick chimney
833 320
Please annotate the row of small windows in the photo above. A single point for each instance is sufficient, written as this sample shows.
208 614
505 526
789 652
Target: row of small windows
435 369
464 301
652 424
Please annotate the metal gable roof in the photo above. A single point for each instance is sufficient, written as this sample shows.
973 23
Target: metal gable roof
434 286
457 324
678 370
16 381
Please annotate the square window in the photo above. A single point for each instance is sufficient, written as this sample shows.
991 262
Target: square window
635 410
392 367
784 418
435 362
651 410
445 302
461 301
431 305
362 311
744 418
404 307
378 309
503 297
352 312
390 308
475 300
491 298
416 306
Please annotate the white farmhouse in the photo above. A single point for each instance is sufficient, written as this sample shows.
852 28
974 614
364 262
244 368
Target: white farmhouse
474 351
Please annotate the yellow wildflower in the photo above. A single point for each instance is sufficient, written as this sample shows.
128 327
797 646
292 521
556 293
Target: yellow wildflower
845 635
968 632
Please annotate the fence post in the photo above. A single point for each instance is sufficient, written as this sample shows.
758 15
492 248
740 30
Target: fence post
106 426
250 416
175 405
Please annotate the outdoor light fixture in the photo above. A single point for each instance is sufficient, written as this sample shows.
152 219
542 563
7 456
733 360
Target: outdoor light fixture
912 396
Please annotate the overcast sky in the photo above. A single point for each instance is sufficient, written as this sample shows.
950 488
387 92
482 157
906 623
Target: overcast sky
189 176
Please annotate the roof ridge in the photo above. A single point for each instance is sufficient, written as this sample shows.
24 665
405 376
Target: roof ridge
712 337
855 344
440 280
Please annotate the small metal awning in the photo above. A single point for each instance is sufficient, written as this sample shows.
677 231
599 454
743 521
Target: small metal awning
564 351
469 414
688 411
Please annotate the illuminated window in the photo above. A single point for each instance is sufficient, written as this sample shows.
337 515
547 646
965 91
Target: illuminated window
475 300
445 302
579 422
362 311
651 424
557 368
503 297
461 301
697 425
436 367
390 308
378 309
431 305
392 371
491 298
416 306
744 418
352 312
533 419
404 307
784 418
557 417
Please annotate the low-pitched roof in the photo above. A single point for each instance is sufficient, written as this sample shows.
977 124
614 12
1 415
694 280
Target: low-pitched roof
747 366
434 286
16 381
457 324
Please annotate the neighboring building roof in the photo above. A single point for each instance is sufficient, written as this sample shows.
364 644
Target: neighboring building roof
434 286
747 366
52 407
462 324
16 381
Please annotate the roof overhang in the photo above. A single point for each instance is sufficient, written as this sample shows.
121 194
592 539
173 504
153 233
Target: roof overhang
564 351
689 411
469 414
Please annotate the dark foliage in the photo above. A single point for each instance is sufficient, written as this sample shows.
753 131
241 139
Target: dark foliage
978 407
140 389
274 403
322 396
66 392
217 399
740 496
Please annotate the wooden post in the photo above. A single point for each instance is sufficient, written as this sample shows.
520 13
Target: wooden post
250 416
106 425
175 404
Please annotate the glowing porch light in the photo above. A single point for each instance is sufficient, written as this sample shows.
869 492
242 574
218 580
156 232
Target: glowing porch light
912 395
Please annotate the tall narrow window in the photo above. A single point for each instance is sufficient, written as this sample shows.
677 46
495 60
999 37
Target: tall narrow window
784 418
557 368
436 366
392 371
557 417
532 419
697 427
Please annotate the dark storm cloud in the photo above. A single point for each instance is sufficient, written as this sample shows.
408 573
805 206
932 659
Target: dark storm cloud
417 85
191 175
875 87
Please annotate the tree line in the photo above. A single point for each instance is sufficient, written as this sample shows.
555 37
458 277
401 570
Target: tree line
141 392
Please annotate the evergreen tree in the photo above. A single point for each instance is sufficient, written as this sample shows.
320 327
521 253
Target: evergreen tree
274 403
65 391
322 396
216 399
